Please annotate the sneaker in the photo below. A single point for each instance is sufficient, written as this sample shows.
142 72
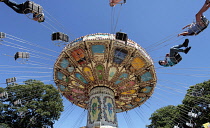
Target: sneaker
187 50
185 44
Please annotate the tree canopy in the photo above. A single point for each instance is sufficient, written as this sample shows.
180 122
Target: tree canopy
164 117
31 105
195 109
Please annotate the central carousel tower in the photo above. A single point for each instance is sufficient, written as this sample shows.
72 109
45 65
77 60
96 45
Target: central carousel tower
105 75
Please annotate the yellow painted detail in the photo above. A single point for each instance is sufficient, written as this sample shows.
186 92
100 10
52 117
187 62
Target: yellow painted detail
144 90
129 92
88 72
137 63
138 99
77 84
120 103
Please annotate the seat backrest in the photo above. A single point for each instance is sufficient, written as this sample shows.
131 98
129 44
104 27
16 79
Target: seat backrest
206 22
11 80
177 57
2 35
21 55
33 7
56 36
60 36
121 36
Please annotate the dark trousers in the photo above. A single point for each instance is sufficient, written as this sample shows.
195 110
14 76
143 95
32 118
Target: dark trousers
173 51
19 8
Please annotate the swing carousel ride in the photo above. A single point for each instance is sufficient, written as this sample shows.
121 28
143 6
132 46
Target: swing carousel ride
99 73
103 73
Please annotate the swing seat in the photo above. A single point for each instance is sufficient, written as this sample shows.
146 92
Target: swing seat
60 36
177 57
121 36
11 80
206 22
17 102
4 95
32 7
2 35
189 124
176 126
21 55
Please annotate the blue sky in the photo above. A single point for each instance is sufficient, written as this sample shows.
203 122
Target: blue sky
146 22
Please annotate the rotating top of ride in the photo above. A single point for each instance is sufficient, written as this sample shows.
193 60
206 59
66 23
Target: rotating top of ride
102 60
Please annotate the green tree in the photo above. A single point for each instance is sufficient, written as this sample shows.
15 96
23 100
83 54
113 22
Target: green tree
31 105
196 101
164 117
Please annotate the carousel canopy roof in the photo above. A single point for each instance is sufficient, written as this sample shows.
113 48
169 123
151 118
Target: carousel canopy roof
102 60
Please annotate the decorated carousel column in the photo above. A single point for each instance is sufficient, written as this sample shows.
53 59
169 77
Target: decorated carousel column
101 110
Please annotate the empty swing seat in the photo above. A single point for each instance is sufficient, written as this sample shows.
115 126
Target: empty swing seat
21 55
2 35
121 36
60 36
17 102
3 95
31 7
11 80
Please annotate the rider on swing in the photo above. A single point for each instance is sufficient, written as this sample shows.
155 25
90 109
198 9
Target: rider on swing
23 9
201 22
173 57
112 3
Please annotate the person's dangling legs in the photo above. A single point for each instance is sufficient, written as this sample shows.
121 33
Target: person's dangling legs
176 49
16 7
